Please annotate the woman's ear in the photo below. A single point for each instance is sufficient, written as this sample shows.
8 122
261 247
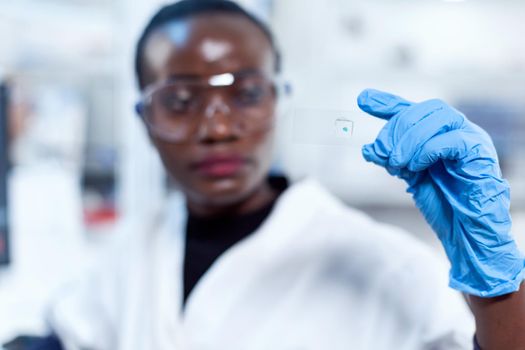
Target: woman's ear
139 109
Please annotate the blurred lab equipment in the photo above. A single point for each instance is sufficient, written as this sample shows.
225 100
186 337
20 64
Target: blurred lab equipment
4 165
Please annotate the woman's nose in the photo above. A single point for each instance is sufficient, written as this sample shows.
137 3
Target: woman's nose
217 124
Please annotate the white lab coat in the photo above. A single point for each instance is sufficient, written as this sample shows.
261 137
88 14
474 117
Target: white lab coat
315 275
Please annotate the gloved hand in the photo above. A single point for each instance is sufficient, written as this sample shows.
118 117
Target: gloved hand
452 172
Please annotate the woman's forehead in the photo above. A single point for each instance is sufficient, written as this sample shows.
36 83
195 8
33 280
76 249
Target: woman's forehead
206 45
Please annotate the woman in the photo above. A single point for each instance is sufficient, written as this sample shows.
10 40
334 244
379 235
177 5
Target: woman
256 263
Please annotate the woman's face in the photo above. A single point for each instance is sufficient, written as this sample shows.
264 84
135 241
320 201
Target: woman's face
217 166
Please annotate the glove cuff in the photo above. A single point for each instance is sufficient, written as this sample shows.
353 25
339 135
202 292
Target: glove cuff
505 287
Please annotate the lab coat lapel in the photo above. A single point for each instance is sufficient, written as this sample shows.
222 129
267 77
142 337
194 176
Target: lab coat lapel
166 271
219 290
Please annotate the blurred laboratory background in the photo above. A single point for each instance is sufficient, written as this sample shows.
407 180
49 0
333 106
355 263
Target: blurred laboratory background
75 160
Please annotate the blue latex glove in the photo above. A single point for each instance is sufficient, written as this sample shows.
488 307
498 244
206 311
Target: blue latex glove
452 171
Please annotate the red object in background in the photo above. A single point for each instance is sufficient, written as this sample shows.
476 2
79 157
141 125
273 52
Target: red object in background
4 253
100 216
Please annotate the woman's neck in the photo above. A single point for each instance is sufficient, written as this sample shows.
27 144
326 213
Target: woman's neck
258 199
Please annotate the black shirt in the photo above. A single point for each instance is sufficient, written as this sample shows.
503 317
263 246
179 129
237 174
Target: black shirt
208 238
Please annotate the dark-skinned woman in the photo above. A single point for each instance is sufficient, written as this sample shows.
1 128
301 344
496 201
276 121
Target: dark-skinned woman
241 260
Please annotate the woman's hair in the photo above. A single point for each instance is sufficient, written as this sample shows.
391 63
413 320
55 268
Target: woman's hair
187 8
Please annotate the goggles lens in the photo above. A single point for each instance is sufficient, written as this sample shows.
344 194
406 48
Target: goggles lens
174 110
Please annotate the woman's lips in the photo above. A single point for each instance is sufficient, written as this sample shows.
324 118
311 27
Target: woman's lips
220 166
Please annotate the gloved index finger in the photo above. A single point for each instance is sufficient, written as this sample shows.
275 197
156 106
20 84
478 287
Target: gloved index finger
381 104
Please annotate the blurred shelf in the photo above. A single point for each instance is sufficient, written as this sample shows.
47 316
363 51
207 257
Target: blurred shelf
56 31
54 8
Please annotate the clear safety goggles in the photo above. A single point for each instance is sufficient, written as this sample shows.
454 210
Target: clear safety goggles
175 110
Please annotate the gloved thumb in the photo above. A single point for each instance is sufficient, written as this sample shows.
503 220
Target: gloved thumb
371 153
381 104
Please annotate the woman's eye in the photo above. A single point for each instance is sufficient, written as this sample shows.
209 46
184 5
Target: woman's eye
250 95
177 101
